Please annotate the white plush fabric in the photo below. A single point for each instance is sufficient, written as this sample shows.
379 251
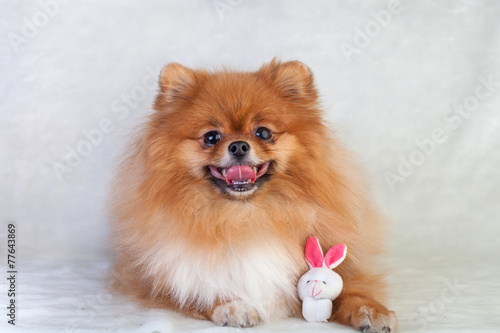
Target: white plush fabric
392 79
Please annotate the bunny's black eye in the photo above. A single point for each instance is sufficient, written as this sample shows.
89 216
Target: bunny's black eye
211 138
263 133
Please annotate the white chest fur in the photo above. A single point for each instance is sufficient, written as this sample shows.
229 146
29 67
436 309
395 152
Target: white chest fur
264 276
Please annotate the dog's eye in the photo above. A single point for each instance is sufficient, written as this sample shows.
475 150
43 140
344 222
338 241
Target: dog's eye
263 133
212 137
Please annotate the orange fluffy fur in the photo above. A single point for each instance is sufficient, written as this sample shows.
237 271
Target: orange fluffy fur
163 194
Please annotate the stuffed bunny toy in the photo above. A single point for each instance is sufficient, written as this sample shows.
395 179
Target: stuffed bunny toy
320 285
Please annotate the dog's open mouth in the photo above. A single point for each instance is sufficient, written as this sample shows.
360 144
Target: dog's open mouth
240 178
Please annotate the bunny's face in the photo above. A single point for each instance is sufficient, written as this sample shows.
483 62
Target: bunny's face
320 283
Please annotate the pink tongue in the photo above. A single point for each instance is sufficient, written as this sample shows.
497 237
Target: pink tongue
240 173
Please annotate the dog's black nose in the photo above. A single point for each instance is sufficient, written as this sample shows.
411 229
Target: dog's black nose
239 148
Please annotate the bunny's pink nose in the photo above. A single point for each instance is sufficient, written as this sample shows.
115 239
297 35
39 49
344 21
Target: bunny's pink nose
315 292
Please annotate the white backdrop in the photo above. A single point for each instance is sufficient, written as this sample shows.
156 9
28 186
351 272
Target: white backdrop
413 87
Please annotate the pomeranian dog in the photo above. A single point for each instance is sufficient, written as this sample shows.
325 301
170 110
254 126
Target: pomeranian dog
229 177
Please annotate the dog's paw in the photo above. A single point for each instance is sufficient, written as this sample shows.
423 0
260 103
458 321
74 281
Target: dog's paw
370 319
235 314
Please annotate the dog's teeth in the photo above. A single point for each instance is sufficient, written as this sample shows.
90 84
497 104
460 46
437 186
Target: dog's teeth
224 171
255 169
241 182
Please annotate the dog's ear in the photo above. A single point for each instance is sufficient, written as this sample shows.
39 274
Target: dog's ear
176 82
293 80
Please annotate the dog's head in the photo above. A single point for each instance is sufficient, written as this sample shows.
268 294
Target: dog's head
235 133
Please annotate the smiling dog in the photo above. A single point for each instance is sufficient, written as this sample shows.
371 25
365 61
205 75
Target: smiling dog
226 182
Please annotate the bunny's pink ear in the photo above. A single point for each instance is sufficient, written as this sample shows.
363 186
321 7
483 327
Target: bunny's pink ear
335 256
314 254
